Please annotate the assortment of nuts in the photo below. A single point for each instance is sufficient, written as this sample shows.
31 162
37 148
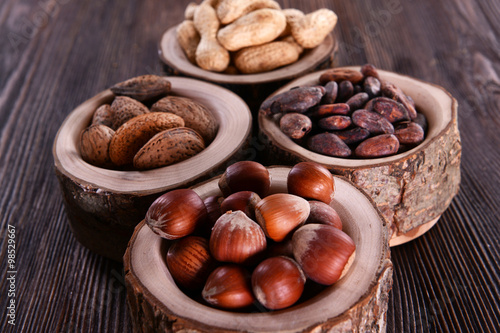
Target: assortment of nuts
146 127
248 246
349 113
249 36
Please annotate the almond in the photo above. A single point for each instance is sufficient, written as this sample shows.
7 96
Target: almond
133 134
169 147
94 144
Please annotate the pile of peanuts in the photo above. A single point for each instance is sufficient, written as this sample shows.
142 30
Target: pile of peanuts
349 113
249 36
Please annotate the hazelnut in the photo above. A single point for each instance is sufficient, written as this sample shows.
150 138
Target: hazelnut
228 287
245 176
280 213
323 252
236 238
323 214
311 181
278 282
243 200
176 214
189 261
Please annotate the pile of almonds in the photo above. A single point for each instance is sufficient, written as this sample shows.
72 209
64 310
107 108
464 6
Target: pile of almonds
248 247
249 36
146 127
349 113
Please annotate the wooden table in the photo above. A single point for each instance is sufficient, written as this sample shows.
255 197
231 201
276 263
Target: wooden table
55 54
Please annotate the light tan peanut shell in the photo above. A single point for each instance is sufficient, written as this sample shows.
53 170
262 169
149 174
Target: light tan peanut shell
188 38
133 134
230 10
143 88
312 29
125 108
255 28
291 15
103 116
169 147
94 144
195 115
189 11
210 55
266 57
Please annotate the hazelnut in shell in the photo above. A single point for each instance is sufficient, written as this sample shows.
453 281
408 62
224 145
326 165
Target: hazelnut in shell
176 213
323 251
312 181
245 176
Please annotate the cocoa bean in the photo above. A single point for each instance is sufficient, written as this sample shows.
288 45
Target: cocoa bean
353 135
334 123
371 86
357 101
389 108
392 91
341 74
328 144
295 100
346 90
331 91
369 70
409 133
295 125
374 122
325 110
422 121
378 146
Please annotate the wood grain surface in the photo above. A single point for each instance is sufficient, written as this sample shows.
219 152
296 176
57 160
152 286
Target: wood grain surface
55 54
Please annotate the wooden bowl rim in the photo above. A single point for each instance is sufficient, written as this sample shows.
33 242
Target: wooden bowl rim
448 104
289 319
235 123
171 53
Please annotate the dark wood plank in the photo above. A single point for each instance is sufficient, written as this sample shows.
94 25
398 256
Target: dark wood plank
55 54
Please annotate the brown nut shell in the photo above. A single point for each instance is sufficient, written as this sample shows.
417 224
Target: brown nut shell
94 145
169 147
176 213
133 134
195 115
312 181
143 88
125 108
245 176
323 213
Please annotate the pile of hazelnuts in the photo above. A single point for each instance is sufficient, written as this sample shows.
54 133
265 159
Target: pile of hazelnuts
250 247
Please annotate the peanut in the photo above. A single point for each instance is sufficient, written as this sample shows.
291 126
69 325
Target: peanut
311 30
188 38
255 28
132 135
266 57
291 15
169 147
230 10
210 54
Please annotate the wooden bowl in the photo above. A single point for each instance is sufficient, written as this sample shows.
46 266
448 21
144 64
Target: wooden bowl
104 205
411 189
357 302
252 87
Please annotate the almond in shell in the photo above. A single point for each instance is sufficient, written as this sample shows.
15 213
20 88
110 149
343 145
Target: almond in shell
143 88
195 115
125 108
94 144
169 147
132 135
103 116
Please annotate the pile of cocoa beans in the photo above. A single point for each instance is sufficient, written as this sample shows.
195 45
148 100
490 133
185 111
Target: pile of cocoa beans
350 113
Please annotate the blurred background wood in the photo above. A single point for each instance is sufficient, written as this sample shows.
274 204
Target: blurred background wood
55 54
